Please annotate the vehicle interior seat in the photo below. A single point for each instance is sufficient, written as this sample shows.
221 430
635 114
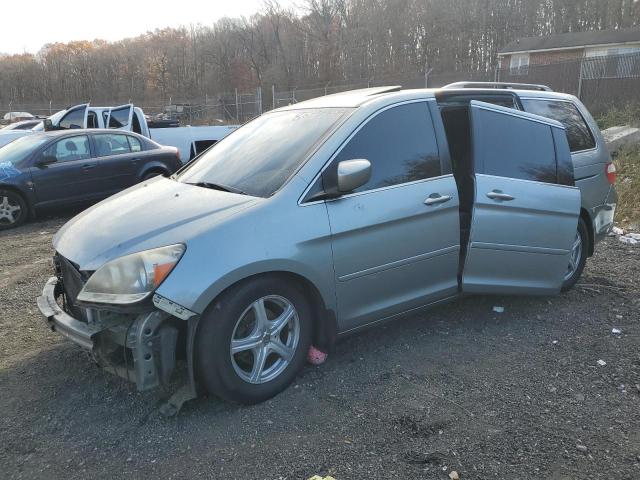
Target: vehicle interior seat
72 150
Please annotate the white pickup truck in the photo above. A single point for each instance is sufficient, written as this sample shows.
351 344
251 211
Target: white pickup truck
190 141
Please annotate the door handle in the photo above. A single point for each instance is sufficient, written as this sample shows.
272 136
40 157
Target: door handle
436 198
498 195
88 166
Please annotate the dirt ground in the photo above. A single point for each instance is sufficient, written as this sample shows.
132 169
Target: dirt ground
516 395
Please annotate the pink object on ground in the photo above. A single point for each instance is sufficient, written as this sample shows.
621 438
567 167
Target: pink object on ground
315 356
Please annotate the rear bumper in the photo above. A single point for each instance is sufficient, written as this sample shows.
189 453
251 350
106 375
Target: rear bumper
603 215
59 321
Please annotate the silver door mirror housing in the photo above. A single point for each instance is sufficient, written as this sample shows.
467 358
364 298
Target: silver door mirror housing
353 174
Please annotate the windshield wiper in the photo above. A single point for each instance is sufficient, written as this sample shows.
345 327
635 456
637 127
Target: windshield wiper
218 186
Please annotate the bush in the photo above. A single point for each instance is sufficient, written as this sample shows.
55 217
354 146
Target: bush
627 115
628 185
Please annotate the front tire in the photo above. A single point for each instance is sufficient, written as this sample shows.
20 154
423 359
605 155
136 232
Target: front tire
13 209
577 257
253 340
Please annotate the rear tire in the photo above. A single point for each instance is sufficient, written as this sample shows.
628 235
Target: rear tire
578 256
269 323
14 210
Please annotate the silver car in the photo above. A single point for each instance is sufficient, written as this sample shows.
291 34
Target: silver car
325 217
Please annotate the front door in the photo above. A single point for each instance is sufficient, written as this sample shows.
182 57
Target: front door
525 216
396 239
74 118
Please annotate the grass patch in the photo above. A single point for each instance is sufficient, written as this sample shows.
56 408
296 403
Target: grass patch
627 115
628 186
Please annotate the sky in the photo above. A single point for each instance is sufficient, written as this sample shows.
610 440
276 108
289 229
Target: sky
27 25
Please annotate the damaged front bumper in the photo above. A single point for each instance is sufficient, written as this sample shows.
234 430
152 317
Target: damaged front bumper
138 347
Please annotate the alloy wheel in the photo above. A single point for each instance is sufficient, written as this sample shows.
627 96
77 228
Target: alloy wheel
10 210
265 339
574 256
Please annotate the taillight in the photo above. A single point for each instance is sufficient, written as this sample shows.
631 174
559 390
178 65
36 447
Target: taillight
610 170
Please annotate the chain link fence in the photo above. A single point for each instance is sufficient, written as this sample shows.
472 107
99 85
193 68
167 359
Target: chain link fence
602 83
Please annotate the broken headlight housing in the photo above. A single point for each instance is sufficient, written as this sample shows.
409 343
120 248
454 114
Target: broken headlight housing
131 278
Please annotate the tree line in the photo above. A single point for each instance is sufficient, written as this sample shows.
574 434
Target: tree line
321 42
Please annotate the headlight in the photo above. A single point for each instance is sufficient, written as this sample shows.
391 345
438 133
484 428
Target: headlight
131 278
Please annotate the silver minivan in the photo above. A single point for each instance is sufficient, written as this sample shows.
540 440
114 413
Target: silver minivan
321 218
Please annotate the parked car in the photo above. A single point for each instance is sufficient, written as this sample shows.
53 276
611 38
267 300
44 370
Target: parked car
64 168
21 125
379 203
190 141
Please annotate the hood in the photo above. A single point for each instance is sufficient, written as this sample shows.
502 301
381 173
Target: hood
152 214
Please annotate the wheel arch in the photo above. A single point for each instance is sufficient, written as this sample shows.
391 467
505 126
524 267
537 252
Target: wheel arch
324 322
153 167
325 326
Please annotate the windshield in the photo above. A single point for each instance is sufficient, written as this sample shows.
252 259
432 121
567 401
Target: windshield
55 118
259 157
17 150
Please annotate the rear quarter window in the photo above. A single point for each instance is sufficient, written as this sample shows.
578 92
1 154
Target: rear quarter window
578 133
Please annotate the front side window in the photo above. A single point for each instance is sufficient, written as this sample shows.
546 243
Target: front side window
578 133
514 147
107 144
69 149
73 119
401 145
258 158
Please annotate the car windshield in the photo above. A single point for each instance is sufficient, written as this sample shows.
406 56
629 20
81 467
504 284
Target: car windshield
55 118
17 150
259 157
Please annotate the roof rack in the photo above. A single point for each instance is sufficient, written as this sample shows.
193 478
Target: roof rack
506 85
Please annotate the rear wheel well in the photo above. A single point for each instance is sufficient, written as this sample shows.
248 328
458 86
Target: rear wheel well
584 214
155 170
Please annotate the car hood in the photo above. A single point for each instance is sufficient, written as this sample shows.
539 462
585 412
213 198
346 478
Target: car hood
152 214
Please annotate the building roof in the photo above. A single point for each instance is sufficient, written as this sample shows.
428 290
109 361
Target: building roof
572 40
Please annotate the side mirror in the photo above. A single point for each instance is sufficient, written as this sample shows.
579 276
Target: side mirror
46 160
48 125
353 174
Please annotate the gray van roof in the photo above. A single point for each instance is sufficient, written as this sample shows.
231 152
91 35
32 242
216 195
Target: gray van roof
392 94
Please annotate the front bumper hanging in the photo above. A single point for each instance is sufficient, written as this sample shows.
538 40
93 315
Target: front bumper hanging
140 348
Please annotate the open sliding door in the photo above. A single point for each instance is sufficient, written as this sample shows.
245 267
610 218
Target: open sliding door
524 221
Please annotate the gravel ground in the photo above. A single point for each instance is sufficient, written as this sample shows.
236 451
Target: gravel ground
513 395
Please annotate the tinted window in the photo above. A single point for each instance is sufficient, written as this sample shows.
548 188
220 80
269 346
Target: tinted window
111 145
134 144
260 156
509 146
578 133
401 145
119 118
69 149
74 119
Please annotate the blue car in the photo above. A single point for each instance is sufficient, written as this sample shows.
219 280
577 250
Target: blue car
67 168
